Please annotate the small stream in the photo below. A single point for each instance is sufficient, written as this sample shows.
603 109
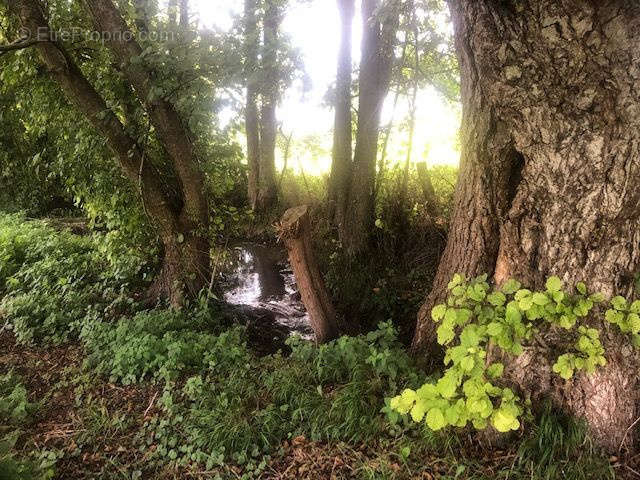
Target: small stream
259 278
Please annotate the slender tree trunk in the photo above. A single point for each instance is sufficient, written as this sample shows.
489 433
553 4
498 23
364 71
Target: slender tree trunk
142 15
267 191
343 131
428 192
184 14
252 122
550 160
285 155
412 109
378 43
172 11
183 257
407 163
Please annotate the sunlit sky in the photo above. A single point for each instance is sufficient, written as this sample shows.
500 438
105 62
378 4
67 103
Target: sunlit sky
315 29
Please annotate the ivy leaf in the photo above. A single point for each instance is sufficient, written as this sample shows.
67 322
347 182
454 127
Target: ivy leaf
418 410
495 370
445 334
540 299
497 299
438 312
504 420
467 363
634 322
494 329
511 286
554 284
619 303
457 280
435 419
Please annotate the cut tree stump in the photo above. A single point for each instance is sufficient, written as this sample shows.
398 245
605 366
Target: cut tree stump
294 229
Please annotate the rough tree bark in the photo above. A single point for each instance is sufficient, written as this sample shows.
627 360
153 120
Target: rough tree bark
184 261
549 169
342 132
295 230
252 121
378 41
267 189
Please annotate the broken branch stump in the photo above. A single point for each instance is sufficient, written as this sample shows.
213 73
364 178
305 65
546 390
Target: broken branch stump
295 230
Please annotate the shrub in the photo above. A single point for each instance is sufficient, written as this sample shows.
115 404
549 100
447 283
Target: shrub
53 280
161 344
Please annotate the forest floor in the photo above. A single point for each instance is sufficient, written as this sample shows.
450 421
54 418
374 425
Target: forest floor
87 428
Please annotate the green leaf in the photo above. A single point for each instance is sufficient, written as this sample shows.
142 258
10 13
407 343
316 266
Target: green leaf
467 363
494 329
582 288
554 284
435 419
418 410
511 286
445 334
504 420
634 322
437 312
540 299
619 303
457 280
495 370
497 299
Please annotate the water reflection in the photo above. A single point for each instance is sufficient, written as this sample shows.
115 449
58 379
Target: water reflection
260 277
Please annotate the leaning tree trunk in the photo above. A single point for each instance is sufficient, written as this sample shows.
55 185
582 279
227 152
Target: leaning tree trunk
186 264
186 260
295 230
343 130
378 42
549 173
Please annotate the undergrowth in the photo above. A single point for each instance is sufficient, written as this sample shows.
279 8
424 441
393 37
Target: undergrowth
220 406
52 281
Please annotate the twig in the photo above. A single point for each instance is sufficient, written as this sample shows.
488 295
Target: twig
627 432
150 405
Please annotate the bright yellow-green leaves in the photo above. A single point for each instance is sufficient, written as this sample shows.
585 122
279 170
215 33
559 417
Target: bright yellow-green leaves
476 315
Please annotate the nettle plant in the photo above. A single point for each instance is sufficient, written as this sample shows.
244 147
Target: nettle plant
476 317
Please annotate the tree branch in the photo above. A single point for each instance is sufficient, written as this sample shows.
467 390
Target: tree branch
19 45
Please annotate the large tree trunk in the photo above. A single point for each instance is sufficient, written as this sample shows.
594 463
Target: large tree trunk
378 41
342 133
267 191
183 251
550 164
252 121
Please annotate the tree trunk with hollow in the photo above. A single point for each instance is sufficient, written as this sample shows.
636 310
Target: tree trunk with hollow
548 178
295 231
